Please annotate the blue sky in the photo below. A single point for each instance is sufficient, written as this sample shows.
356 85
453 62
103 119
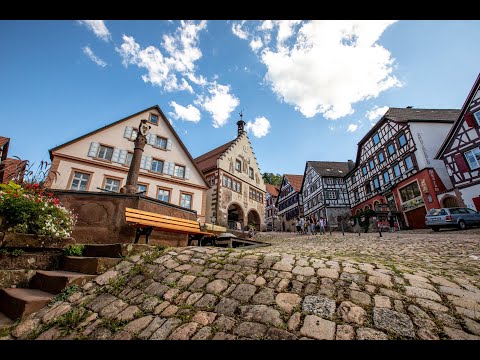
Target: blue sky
309 90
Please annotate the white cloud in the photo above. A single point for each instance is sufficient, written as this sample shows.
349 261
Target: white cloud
260 127
352 128
256 44
189 113
331 65
87 51
238 31
375 113
163 70
220 103
98 27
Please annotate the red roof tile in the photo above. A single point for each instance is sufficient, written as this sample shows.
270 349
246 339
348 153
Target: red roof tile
12 167
272 190
3 140
208 160
295 181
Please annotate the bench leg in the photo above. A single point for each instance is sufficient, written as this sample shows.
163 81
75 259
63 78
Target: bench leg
147 231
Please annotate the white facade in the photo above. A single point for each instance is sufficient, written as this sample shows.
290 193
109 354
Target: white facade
166 166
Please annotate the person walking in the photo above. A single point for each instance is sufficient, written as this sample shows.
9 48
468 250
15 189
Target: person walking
322 225
391 222
302 225
312 225
298 226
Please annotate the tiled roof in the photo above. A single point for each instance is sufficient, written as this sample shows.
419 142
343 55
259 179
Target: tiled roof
272 190
208 160
295 181
330 168
12 167
3 140
414 114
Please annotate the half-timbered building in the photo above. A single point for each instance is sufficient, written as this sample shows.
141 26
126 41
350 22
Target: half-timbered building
271 211
237 194
289 201
10 168
395 170
461 154
324 190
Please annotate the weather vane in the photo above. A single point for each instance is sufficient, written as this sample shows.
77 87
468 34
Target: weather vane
241 114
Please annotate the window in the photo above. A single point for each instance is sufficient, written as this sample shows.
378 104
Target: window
105 152
368 187
371 164
402 140
355 195
391 149
154 119
381 157
473 158
186 200
396 170
142 188
163 195
225 181
134 134
408 163
229 183
128 159
237 186
238 165
376 139
112 184
477 117
161 142
364 170
250 173
410 191
179 171
386 177
157 165
376 183
331 194
470 211
80 181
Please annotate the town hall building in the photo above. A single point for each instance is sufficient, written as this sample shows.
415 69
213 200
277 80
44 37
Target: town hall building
236 198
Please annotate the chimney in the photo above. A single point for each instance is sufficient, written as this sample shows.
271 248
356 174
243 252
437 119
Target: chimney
240 125
351 165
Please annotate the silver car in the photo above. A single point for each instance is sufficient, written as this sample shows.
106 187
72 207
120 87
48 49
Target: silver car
452 217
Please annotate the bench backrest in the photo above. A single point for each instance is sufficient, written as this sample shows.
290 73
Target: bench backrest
161 221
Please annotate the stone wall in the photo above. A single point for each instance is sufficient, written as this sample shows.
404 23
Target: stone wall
101 217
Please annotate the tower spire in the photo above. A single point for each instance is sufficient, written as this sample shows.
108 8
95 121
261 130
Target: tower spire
240 124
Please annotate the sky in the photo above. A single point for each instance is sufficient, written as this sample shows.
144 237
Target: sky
308 90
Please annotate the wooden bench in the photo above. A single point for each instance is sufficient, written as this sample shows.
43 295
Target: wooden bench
146 222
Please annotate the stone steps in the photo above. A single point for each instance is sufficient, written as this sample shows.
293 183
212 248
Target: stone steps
5 321
88 265
55 281
15 303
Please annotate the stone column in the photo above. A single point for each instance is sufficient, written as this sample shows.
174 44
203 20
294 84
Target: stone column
140 141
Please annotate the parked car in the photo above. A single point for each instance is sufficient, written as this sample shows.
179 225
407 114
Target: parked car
452 217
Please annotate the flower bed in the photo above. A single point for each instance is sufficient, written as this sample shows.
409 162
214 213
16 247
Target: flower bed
29 209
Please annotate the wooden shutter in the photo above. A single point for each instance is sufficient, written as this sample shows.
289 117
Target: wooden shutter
169 144
128 132
148 162
172 168
116 155
93 149
166 167
469 119
187 173
461 163
142 162
151 139
123 156
476 202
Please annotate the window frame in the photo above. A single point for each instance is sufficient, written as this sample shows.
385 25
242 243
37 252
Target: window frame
84 172
105 146
150 118
373 139
400 146
111 177
365 167
179 166
477 160
376 179
386 181
251 173
164 189
143 184
162 138
381 152
400 195
476 115
392 144
151 166
370 162
399 170
191 199
405 162
239 163
126 158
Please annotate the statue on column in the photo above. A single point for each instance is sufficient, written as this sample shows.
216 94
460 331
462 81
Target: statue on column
132 178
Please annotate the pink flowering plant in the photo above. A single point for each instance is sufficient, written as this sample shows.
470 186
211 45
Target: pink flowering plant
30 209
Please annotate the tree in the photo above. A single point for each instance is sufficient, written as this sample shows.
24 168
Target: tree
271 178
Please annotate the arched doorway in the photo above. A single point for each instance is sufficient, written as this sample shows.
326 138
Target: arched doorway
253 218
450 201
235 217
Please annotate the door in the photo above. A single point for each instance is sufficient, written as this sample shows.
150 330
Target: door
416 218
476 202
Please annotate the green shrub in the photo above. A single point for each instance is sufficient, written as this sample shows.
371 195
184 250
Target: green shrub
74 250
31 210
18 252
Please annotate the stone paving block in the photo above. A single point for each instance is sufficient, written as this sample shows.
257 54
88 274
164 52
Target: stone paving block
318 328
398 323
319 305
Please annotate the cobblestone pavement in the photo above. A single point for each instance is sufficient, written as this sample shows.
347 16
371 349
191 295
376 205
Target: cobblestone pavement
407 285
